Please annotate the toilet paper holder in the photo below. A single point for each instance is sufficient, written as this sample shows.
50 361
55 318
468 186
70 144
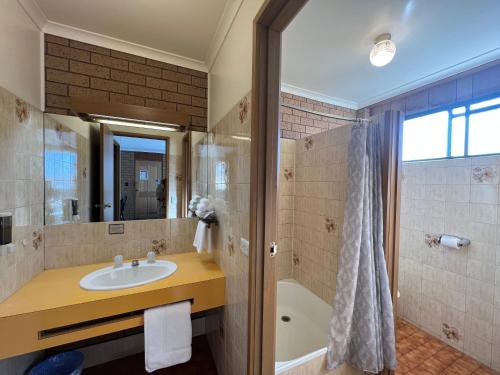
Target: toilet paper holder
453 242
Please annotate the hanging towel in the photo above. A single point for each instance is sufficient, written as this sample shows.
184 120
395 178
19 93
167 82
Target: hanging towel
203 238
167 335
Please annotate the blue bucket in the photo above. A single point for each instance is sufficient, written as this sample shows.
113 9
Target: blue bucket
67 363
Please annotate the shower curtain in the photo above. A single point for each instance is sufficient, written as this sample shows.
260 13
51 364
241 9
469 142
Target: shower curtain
362 326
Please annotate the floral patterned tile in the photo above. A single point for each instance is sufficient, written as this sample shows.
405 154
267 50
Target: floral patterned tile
486 174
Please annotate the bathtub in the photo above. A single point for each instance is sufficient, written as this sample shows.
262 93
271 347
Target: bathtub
302 321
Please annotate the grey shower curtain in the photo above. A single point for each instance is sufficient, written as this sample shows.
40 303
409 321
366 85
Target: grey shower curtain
362 326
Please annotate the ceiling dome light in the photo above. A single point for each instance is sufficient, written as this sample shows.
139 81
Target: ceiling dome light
383 51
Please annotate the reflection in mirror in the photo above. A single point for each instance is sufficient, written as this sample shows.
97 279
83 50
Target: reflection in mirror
101 172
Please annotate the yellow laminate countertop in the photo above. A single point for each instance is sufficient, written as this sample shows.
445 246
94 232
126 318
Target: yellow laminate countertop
54 299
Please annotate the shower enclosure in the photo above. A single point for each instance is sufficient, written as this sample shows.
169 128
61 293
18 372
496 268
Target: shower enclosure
311 209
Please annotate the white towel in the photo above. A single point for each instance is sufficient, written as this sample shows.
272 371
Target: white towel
203 238
167 335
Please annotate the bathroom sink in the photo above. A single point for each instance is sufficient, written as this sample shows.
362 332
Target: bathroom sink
128 276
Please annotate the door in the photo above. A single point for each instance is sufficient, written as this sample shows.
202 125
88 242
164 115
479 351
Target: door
269 23
149 198
106 204
117 187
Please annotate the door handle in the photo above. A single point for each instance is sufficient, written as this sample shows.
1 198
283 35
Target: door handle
273 250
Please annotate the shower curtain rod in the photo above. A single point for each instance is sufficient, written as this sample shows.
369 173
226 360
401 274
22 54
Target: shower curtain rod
325 114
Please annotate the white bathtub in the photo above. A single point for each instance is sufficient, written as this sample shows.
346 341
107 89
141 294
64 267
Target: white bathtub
305 335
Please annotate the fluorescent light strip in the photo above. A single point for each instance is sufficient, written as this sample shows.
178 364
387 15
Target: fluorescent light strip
241 138
125 121
130 120
135 125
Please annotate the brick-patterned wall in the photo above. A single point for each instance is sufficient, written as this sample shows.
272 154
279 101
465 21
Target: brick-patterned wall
297 124
74 68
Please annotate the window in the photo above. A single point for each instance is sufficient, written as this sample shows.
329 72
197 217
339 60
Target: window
459 131
418 145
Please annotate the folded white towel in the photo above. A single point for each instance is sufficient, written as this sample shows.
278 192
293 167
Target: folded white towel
167 335
203 238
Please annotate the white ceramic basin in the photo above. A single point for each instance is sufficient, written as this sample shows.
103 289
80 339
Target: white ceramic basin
126 276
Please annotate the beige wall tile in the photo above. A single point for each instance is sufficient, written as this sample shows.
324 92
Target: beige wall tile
77 244
21 191
229 184
457 287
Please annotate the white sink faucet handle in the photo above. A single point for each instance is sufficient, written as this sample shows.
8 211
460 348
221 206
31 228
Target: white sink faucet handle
151 256
118 261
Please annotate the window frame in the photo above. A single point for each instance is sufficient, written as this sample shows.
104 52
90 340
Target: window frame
449 108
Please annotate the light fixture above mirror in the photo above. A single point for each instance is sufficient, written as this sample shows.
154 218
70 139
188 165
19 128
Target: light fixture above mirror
120 121
129 115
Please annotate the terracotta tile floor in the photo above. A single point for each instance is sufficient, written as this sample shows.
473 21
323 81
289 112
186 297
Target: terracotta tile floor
421 354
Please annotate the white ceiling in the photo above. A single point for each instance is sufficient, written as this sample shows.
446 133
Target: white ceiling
326 48
180 27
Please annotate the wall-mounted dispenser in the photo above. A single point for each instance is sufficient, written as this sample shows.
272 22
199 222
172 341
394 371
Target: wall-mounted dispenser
75 211
5 228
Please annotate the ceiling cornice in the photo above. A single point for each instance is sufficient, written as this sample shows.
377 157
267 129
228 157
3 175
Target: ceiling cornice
231 9
41 21
226 20
34 12
433 77
318 96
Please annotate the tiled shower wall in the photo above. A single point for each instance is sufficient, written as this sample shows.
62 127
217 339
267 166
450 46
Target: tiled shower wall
313 180
286 190
229 184
320 194
438 285
21 191
306 210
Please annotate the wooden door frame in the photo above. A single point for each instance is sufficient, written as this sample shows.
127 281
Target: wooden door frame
269 23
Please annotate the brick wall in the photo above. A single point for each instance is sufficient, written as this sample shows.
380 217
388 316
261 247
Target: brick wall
297 124
74 68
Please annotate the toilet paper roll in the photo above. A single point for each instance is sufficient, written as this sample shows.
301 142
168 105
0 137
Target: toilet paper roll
453 242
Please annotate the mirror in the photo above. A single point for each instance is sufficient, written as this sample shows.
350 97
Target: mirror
101 172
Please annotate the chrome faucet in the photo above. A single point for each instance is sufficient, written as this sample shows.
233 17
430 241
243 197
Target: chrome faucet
135 263
151 257
118 261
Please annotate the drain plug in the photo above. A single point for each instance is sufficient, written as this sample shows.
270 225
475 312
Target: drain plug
285 318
